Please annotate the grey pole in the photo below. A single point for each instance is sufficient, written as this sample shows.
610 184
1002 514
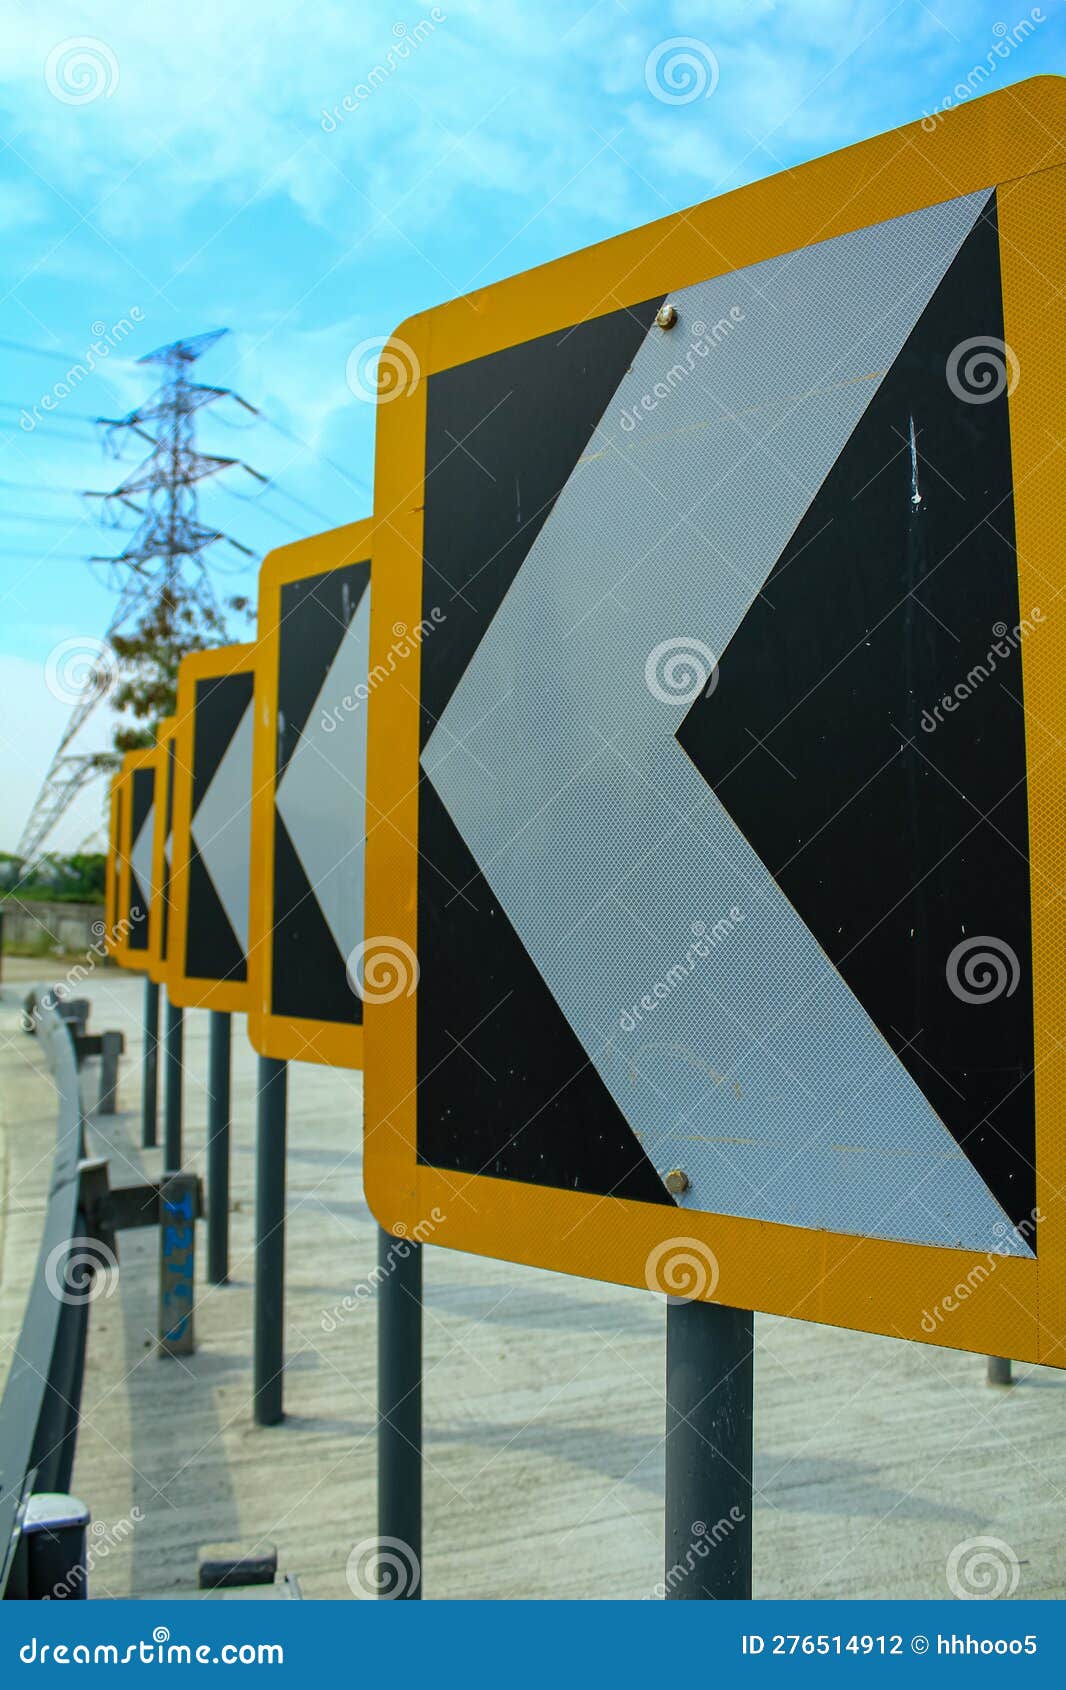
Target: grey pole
150 1075
999 1371
400 1404
709 1379
173 1068
218 1107
268 1356
111 1045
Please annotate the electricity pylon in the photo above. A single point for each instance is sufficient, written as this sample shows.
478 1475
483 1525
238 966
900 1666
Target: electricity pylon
163 556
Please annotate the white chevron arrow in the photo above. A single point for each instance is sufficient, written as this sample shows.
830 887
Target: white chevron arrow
320 795
141 855
752 1066
221 827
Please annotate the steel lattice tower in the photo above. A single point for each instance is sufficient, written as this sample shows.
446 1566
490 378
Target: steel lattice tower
164 553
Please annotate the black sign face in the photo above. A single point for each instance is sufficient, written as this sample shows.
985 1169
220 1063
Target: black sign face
309 804
142 832
727 891
207 935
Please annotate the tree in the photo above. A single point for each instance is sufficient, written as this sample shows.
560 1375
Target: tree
147 658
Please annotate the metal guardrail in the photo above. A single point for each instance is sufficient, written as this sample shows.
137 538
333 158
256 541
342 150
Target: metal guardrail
40 1407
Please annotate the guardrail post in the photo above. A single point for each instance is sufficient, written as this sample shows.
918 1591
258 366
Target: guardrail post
218 1111
54 1534
400 1405
150 1072
269 1333
177 1258
174 1066
111 1045
709 1400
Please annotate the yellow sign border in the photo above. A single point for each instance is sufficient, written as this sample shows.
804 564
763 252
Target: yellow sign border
288 1038
156 964
136 961
185 990
961 1299
111 869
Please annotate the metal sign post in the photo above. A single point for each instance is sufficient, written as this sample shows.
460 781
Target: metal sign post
150 1070
268 1358
174 1073
218 1111
400 1404
709 1384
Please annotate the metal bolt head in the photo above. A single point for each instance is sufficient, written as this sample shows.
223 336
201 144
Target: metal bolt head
666 316
676 1182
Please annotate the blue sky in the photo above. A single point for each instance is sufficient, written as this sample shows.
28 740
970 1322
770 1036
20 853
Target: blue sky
167 170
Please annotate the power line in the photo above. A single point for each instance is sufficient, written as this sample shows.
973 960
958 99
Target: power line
80 416
50 352
290 434
41 487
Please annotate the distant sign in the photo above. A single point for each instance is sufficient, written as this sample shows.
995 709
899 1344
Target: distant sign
162 841
309 804
211 767
715 834
113 867
136 823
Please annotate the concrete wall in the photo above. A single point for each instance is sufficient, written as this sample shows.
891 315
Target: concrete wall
51 927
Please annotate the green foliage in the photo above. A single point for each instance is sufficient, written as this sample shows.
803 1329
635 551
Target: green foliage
74 879
182 619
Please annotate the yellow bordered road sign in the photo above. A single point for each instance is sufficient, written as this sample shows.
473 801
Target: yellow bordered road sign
159 913
136 836
207 941
112 868
309 805
715 833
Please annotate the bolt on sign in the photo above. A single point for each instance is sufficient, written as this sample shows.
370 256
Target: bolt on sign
207 939
715 834
309 804
162 843
136 829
